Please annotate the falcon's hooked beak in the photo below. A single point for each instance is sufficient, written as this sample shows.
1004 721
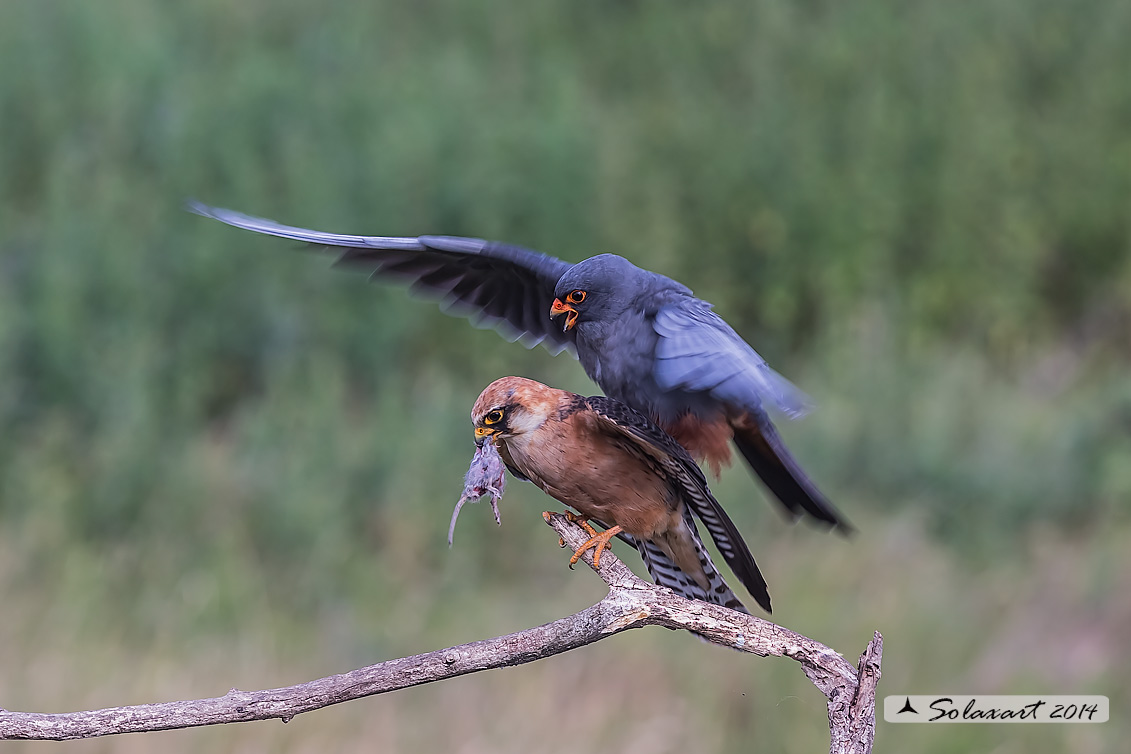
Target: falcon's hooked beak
482 434
557 309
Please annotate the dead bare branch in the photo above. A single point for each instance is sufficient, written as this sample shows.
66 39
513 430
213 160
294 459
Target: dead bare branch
630 603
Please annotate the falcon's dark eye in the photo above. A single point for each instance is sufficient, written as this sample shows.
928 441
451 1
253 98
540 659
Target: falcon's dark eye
494 417
575 297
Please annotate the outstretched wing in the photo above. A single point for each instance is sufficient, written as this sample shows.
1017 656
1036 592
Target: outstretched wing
509 288
700 353
687 477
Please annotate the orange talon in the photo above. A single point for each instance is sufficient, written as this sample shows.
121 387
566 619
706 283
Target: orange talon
599 541
573 518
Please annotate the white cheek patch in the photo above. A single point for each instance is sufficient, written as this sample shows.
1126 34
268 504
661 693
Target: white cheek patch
524 421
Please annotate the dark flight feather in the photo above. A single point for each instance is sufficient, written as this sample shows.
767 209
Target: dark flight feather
496 285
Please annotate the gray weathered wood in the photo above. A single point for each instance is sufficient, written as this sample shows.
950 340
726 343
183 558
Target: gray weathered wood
630 603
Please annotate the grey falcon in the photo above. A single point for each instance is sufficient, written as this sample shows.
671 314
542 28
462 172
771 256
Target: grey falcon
644 338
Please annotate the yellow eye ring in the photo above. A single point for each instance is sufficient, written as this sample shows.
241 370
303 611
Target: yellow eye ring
576 297
493 417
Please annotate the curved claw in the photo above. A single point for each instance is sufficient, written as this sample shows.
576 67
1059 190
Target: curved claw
598 541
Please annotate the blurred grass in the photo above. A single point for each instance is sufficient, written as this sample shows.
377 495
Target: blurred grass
223 464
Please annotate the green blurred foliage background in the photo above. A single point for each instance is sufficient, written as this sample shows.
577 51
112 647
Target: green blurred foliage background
223 464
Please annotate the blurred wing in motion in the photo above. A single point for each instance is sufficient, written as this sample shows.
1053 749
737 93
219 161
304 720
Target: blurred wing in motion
495 285
700 353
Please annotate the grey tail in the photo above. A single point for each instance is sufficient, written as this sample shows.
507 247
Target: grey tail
760 444
666 573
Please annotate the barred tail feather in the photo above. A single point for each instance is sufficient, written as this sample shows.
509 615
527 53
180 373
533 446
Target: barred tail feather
664 572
